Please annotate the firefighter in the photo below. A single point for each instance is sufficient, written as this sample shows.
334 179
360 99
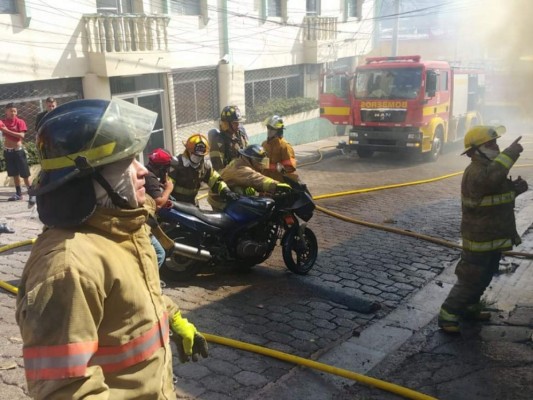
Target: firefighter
191 168
244 176
280 152
226 142
488 223
93 321
159 188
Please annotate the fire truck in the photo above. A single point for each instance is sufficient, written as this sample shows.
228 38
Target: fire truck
404 104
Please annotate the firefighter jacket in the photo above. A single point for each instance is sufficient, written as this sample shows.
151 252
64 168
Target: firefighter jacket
240 175
280 151
90 310
187 179
225 146
488 198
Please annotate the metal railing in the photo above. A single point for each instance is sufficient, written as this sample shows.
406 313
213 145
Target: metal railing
126 32
320 28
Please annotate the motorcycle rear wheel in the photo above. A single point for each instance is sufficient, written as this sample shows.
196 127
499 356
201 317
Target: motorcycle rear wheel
299 255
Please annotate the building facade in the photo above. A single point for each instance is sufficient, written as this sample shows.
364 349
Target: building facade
185 59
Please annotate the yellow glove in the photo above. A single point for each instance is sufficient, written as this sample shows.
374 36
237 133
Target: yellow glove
188 341
250 191
283 188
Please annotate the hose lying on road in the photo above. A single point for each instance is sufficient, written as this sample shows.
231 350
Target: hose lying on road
377 383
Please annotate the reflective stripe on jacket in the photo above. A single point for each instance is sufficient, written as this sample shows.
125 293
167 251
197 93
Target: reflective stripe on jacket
224 147
239 175
488 197
187 179
280 151
90 310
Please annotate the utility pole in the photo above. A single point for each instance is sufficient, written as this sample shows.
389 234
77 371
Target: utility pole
395 28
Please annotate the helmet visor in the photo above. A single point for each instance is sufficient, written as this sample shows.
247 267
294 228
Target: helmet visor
124 126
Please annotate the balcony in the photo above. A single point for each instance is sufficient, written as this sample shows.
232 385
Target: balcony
125 44
320 34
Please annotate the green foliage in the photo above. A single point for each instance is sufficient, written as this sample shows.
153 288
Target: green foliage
31 152
281 107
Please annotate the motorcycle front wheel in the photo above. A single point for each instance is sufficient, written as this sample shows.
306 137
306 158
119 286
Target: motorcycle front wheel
299 253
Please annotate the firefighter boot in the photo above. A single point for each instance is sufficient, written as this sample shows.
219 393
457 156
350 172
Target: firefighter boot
448 322
476 312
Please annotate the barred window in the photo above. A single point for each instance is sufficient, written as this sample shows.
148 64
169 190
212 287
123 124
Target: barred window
195 96
29 97
273 83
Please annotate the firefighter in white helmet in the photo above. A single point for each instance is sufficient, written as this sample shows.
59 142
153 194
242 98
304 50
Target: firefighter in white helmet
280 152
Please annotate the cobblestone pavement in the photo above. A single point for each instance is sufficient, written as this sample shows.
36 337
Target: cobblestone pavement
305 316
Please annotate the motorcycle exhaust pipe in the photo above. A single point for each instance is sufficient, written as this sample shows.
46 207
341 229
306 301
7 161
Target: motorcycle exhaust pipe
191 252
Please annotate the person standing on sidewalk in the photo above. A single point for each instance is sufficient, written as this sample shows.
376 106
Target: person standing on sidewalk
14 129
279 151
226 142
93 320
488 224
50 104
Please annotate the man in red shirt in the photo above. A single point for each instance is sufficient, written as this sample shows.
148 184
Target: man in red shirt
14 129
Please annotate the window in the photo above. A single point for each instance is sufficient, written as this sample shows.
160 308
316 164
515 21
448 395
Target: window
352 9
273 8
185 7
264 85
195 96
313 7
443 77
8 7
114 6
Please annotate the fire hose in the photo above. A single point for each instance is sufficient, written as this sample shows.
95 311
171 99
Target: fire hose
377 383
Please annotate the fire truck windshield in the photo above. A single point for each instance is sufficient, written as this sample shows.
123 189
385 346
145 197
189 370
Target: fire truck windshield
388 83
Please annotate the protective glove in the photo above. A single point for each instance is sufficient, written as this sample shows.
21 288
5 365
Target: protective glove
520 185
250 191
188 341
515 146
228 195
283 188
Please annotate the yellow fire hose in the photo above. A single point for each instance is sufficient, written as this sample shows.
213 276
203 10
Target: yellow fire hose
377 383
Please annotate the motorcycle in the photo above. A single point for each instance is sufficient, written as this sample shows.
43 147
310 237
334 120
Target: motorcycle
243 235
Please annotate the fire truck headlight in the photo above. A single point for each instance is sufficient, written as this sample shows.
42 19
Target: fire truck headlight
353 135
413 135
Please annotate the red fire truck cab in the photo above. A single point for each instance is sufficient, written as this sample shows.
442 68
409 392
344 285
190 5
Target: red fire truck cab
405 104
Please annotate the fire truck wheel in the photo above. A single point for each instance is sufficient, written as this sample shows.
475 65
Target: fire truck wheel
365 153
436 147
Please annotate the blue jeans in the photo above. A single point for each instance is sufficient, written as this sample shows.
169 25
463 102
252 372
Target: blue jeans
159 251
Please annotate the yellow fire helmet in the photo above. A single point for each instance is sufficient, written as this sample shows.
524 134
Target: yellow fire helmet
481 134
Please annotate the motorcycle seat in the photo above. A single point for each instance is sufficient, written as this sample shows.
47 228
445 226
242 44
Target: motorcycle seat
217 219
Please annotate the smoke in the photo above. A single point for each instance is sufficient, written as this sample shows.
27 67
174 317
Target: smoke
504 30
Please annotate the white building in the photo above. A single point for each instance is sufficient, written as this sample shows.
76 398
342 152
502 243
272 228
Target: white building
185 59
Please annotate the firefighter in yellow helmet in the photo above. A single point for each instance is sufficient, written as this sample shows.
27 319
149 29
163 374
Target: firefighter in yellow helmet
226 142
280 152
244 176
191 168
93 320
488 223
